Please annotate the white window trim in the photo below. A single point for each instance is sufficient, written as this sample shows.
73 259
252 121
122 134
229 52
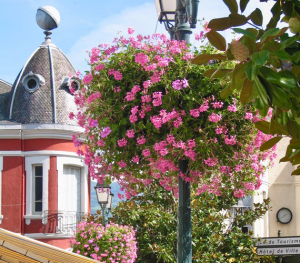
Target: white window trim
1 168
29 164
61 161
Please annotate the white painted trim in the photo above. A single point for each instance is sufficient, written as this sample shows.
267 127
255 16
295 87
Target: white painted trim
1 168
29 162
61 161
33 153
33 216
52 85
48 236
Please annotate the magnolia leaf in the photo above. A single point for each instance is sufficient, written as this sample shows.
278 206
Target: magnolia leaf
256 17
263 126
262 94
269 74
260 58
250 43
296 71
237 20
296 172
293 130
225 93
281 32
252 70
270 32
243 5
270 143
244 32
279 97
219 24
276 11
246 91
281 54
283 118
274 125
220 73
287 8
289 41
204 58
295 144
264 110
217 40
296 57
287 79
209 72
296 161
232 5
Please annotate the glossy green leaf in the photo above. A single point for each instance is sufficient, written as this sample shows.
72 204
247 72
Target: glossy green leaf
287 8
244 32
260 58
220 73
295 144
219 24
263 126
270 143
286 43
257 17
217 40
296 172
287 79
269 74
281 32
204 58
283 118
232 5
270 32
243 5
225 93
279 97
252 70
281 54
296 57
264 111
262 94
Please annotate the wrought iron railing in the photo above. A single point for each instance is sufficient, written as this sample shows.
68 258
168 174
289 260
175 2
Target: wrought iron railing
61 222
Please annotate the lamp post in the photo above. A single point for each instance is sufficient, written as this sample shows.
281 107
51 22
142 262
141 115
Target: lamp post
183 13
105 198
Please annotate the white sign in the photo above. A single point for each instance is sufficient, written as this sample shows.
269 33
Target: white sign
278 251
278 241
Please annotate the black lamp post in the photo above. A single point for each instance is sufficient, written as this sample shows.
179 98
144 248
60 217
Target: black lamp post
105 198
183 13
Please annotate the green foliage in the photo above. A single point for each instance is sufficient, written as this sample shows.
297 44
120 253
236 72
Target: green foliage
154 216
272 65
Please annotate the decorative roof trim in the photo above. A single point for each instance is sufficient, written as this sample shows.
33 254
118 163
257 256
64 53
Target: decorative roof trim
52 86
17 83
5 82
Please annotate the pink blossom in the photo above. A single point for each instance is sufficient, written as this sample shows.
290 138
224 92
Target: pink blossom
122 142
105 132
195 113
130 30
122 164
239 193
230 140
136 159
71 115
87 79
141 140
146 152
232 108
211 161
130 133
249 116
157 98
215 117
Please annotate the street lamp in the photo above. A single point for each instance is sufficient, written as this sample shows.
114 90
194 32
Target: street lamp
104 197
184 17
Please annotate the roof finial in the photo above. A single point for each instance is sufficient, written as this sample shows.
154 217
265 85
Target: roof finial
48 18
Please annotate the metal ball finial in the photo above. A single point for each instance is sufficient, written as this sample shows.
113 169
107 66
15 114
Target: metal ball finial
47 17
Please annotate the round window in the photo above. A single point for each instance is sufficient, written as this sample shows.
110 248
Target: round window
32 81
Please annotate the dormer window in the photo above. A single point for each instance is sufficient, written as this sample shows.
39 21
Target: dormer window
70 84
32 81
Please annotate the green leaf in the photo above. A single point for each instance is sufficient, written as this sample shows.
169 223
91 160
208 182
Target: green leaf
281 54
246 91
244 32
295 144
296 57
296 172
225 93
219 24
269 74
286 43
287 8
217 40
281 32
270 143
232 5
260 58
220 73
270 32
279 97
263 126
262 94
257 17
251 70
204 58
243 5
293 129
287 79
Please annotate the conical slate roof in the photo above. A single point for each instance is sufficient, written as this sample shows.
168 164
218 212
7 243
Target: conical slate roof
5 89
41 93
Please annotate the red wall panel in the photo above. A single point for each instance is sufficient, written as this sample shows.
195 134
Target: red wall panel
10 145
49 145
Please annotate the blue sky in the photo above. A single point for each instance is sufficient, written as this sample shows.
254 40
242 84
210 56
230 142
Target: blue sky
85 24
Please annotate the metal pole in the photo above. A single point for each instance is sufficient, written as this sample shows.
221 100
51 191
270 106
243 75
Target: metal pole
184 219
279 257
184 222
104 215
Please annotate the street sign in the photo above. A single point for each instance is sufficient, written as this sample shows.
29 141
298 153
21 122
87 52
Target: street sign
277 241
278 246
278 251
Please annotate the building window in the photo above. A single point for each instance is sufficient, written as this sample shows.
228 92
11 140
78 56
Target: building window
38 189
32 81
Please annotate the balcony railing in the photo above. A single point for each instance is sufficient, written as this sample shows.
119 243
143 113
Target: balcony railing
61 222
